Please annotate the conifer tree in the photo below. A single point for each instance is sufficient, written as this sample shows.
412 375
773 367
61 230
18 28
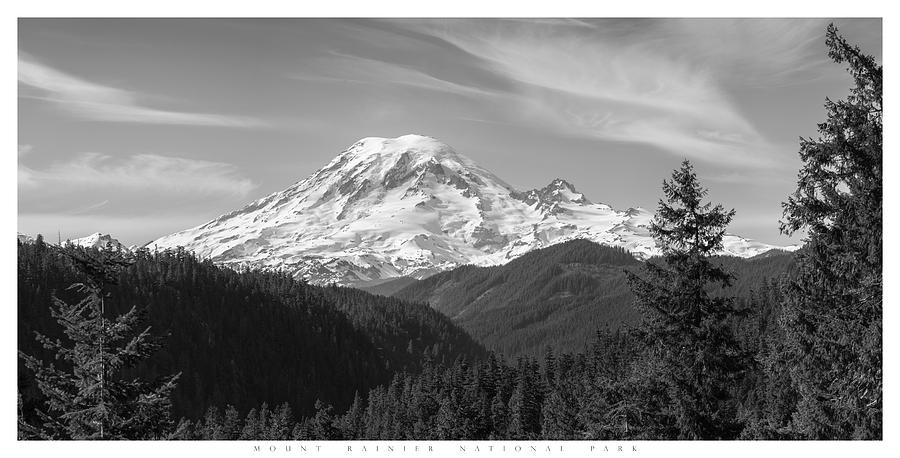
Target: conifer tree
353 422
525 403
322 426
251 429
549 366
88 395
300 431
686 328
833 313
281 424
263 421
447 420
499 416
231 426
183 431
212 425
558 415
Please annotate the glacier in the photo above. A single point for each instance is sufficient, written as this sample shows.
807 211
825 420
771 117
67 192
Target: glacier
412 206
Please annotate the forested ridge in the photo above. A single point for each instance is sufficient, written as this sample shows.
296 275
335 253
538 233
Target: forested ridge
244 337
558 296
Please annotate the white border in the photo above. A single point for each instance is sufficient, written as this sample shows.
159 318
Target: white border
455 8
452 8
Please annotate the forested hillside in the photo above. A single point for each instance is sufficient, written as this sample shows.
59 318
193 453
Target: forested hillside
603 391
406 333
557 296
244 338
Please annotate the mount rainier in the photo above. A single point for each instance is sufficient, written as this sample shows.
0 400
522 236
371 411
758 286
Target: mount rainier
411 206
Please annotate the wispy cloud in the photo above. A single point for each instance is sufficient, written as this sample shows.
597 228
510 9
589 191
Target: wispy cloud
755 52
142 172
606 86
89 208
97 102
347 68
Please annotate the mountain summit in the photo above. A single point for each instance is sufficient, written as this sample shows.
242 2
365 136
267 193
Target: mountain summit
411 206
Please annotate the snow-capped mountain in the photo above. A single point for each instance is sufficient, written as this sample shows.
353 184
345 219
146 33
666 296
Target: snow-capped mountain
95 240
98 240
411 206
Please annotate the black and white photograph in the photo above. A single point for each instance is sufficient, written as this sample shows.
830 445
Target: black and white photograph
527 230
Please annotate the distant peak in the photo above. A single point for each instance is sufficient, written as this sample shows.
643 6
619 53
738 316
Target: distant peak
97 240
94 236
558 191
559 183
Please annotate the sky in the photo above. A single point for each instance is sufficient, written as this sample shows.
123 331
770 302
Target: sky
144 127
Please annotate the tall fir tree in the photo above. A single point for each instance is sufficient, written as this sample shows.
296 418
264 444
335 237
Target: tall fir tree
833 312
251 430
559 415
353 422
686 327
525 402
499 416
231 426
323 423
211 427
88 395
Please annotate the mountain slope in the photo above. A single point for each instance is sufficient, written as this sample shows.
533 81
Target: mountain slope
410 206
558 295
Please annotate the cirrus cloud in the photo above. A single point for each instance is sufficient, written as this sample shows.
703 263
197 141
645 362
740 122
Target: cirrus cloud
140 172
97 102
670 84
